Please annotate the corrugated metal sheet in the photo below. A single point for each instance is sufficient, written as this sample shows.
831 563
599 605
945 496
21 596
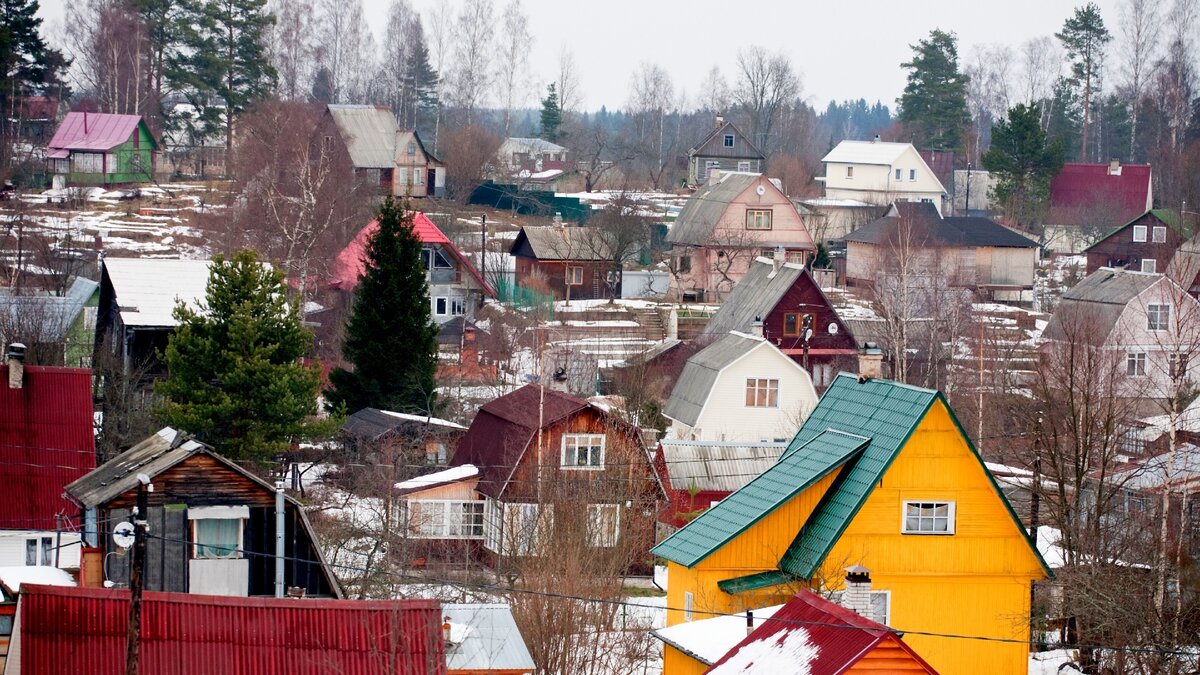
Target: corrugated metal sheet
794 472
930 225
1096 303
118 475
492 640
705 208
754 296
54 313
46 441
866 152
700 374
369 133
717 467
1083 185
104 131
147 288
82 630
563 243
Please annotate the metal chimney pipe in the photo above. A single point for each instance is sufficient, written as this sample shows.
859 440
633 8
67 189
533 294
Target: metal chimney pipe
279 527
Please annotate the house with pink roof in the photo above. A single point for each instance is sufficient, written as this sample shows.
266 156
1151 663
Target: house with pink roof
1087 201
101 149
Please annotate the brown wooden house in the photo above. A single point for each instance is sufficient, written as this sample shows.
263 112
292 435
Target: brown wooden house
1145 244
574 262
557 473
725 148
211 522
780 299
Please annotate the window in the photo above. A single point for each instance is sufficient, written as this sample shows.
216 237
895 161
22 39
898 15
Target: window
1150 265
445 519
39 551
87 162
795 257
1139 233
217 537
583 451
849 172
928 518
402 176
1160 234
791 324
412 147
1135 364
912 174
574 276
1177 365
684 263
137 140
1158 317
899 172
435 259
418 177
709 165
604 522
758 219
439 306
526 526
458 306
762 392
689 602
728 140
743 166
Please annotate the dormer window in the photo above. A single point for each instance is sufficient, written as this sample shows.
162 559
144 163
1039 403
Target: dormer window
729 140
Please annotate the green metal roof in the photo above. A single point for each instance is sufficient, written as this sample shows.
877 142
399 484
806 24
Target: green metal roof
753 582
795 472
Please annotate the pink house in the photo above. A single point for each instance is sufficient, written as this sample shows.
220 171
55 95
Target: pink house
726 224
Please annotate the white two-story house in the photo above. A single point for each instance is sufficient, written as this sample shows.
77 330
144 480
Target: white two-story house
880 173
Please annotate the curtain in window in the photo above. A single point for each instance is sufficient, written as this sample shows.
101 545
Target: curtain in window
217 538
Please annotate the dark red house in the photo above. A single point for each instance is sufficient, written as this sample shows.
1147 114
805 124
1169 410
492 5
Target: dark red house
573 261
1145 244
782 297
67 631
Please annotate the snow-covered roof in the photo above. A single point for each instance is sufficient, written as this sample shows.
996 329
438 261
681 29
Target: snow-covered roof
424 420
485 638
11 578
710 639
866 152
146 289
451 475
836 203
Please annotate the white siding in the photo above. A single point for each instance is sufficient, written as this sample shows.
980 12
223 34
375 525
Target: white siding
12 547
877 184
726 416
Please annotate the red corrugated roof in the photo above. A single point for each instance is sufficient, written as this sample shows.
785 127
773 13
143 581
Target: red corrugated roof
46 442
1079 189
348 266
840 636
104 131
67 631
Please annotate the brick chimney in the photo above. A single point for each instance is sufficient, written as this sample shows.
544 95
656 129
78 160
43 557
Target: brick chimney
870 361
756 328
16 365
857 596
1114 167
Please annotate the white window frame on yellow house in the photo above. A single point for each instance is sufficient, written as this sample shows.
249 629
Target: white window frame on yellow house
950 517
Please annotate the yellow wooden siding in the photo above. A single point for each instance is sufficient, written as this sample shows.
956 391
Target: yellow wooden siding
678 663
886 658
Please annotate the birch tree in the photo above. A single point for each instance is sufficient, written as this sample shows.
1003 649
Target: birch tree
290 46
441 34
108 48
512 73
347 48
1141 26
569 95
473 51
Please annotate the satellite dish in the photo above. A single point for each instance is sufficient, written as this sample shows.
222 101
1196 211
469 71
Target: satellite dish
760 190
833 329
123 534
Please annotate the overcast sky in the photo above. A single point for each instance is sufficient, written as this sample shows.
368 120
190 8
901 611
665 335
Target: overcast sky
842 49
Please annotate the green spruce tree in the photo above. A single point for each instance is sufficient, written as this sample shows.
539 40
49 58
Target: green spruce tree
234 376
420 79
551 115
29 67
1084 37
391 340
1023 162
933 107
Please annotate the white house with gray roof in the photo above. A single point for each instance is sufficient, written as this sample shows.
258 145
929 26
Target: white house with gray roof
875 172
740 388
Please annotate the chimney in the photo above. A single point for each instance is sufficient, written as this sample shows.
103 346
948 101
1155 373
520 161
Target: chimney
470 352
779 258
857 596
446 629
870 361
749 621
720 121
1114 167
876 139
756 328
673 324
16 365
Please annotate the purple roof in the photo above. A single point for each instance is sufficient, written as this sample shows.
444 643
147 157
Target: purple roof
103 131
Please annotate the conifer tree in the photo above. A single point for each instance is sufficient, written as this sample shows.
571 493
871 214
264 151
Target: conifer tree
1023 161
391 340
233 372
934 104
27 65
551 115
1083 37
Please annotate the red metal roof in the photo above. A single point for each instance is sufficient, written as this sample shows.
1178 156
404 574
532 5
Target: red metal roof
1079 189
841 637
67 631
93 131
46 442
349 265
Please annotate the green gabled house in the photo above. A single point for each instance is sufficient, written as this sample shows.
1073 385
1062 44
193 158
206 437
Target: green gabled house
101 149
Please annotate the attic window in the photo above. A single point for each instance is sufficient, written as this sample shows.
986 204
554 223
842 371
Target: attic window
928 518
412 147
1160 234
1139 233
729 140
912 174
434 259
583 451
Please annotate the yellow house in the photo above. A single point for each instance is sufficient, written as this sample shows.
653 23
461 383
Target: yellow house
881 475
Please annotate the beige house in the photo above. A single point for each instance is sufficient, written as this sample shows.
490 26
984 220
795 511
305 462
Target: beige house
395 159
724 226
974 253
875 172
740 388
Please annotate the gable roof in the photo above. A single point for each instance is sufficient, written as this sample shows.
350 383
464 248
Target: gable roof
533 146
702 370
373 424
706 207
810 634
491 640
1099 298
65 630
403 138
713 145
758 292
146 288
867 152
369 133
350 263
54 314
862 424
708 639
951 231
552 242
1163 216
93 131
1080 185
716 466
46 441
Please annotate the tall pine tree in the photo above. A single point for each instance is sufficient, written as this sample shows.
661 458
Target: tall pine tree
551 115
1023 162
933 107
234 376
28 67
391 339
1084 36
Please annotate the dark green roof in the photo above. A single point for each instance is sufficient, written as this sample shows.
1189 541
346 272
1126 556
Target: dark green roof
823 453
753 582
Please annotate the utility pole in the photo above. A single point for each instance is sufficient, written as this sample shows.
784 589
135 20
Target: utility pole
133 631
968 204
483 248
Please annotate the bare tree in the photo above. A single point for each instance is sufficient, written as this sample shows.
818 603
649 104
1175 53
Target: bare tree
512 74
291 48
107 44
346 48
766 84
715 96
989 69
470 156
473 55
391 83
1041 64
598 155
441 34
567 81
650 98
1141 25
